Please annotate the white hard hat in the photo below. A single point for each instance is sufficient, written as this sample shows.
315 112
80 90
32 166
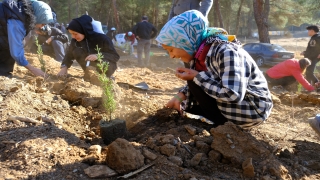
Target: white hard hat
129 33
113 29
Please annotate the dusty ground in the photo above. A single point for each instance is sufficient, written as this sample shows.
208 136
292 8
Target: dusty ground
59 144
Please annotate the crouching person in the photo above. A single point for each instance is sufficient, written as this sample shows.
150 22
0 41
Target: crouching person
289 72
223 83
84 44
53 42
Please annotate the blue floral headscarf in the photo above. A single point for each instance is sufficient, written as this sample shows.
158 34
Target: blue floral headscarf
185 31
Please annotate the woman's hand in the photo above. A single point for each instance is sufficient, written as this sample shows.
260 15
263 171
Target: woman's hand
91 57
35 71
63 72
48 41
175 102
186 74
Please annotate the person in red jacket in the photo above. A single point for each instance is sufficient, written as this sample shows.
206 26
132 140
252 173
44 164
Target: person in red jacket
288 72
130 38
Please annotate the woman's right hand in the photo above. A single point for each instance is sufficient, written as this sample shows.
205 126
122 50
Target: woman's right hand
175 102
63 72
35 71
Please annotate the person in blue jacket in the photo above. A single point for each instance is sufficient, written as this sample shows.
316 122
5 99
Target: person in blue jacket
17 19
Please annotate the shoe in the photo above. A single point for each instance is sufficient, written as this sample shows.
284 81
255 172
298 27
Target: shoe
315 124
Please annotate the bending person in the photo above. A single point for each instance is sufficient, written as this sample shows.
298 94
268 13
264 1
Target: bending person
83 47
223 82
53 42
289 72
16 22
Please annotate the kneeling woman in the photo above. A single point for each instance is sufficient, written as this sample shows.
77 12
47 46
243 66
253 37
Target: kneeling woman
223 82
288 72
83 46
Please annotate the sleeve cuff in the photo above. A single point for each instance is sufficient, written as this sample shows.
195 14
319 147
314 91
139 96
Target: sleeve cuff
24 63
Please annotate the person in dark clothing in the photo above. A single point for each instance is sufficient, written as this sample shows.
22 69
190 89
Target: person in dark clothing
63 28
53 42
144 32
17 19
313 53
112 34
83 47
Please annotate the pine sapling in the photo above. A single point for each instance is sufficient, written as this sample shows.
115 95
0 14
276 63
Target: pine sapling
40 56
108 100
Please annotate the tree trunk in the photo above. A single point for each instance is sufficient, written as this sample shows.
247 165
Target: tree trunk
116 14
215 15
249 20
218 13
261 10
238 17
69 12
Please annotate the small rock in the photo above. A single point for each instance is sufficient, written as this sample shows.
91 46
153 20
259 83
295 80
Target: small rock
123 157
168 150
191 130
99 171
275 99
176 160
94 149
285 154
167 139
48 149
214 156
1 98
314 165
266 177
151 143
205 133
148 154
248 169
196 159
229 141
98 117
69 177
14 89
41 90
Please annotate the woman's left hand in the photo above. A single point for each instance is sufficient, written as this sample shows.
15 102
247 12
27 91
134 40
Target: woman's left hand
91 57
186 74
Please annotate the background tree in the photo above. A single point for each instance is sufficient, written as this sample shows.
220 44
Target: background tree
261 9
240 17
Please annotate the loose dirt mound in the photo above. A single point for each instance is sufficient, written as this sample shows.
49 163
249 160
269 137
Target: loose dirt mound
49 130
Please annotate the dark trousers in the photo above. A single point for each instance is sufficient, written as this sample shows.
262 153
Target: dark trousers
56 49
310 72
284 81
144 45
6 63
207 105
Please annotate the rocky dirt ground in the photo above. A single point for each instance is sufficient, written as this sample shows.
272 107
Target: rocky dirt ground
49 129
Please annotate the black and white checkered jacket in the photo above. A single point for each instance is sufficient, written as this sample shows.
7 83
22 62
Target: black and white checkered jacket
237 84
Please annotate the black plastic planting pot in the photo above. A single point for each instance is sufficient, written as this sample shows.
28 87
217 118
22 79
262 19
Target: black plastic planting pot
111 130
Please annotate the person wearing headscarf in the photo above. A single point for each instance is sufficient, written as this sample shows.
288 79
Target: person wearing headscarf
223 82
83 47
17 19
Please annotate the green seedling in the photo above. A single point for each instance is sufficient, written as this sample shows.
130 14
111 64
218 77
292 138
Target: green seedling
40 56
108 100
